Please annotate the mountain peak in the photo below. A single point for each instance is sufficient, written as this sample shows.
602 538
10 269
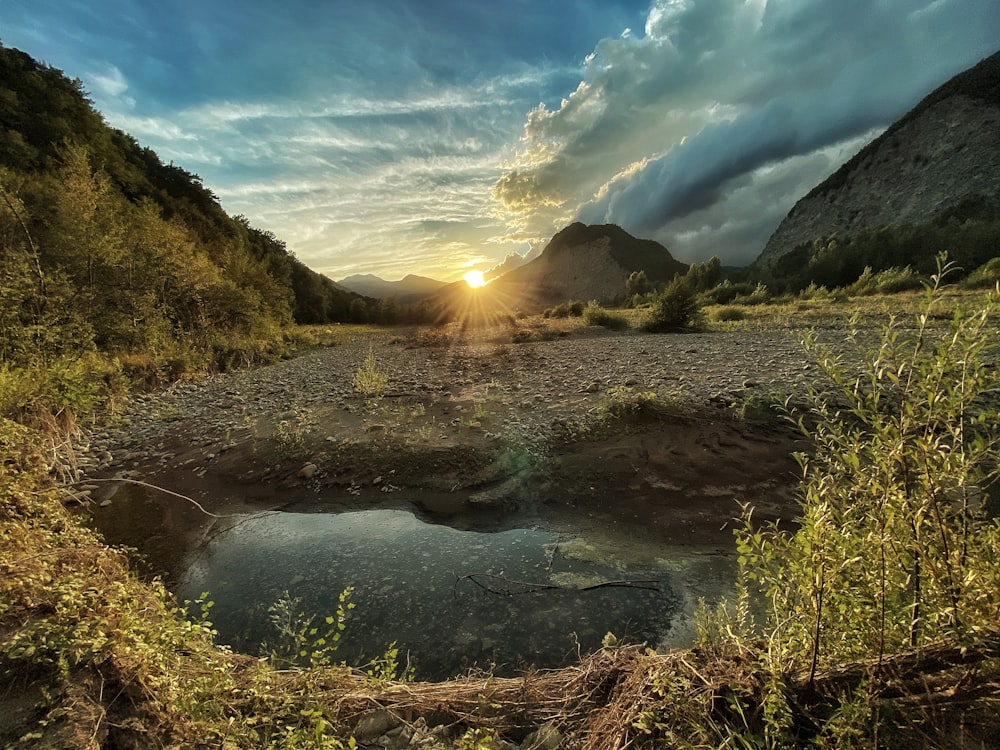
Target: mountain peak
585 262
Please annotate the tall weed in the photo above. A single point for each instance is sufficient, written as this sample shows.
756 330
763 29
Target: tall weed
895 549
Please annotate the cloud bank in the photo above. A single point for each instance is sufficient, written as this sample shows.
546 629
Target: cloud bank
680 133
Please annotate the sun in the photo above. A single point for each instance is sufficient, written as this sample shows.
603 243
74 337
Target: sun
475 279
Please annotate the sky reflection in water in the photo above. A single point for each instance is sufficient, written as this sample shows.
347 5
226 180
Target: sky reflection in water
407 577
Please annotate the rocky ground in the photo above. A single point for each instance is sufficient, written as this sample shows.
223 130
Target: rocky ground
633 431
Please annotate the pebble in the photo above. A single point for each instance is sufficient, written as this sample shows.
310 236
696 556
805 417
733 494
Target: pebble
560 378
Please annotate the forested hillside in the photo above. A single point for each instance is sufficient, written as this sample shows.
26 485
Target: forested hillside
103 247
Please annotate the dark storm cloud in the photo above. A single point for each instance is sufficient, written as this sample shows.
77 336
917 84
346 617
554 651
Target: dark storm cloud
678 121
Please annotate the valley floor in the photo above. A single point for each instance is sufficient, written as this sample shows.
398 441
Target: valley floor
660 435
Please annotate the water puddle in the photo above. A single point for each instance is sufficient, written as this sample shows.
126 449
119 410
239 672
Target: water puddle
451 600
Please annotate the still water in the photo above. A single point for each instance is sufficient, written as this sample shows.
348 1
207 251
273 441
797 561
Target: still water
412 586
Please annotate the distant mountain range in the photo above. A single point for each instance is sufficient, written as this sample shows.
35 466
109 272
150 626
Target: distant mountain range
941 161
409 289
580 262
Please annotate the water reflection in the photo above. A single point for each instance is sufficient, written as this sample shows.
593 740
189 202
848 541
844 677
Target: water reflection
410 587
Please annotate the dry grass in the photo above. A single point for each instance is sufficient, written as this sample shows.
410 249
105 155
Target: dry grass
836 312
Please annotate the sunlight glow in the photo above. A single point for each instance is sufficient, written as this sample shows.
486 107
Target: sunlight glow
475 279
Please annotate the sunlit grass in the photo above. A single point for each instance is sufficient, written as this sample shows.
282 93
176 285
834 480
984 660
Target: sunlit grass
832 312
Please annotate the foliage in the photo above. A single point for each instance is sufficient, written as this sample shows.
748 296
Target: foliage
105 248
637 283
705 276
727 313
624 402
987 275
895 548
565 310
675 308
970 232
595 315
889 281
299 638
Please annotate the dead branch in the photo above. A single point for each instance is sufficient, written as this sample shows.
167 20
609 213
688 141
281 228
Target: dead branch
509 587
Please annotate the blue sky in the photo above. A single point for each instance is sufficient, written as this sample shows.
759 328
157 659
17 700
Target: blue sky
435 136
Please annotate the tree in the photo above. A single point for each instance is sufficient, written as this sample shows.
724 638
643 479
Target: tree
637 283
704 276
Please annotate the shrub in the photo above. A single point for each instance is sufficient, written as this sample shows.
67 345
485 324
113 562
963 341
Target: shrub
369 380
759 295
986 275
675 308
726 292
623 402
565 310
595 315
815 292
895 549
728 313
889 281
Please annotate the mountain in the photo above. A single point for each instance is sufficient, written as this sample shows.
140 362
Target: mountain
106 247
591 262
409 289
938 163
580 262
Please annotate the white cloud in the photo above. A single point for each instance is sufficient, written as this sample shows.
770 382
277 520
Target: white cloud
109 81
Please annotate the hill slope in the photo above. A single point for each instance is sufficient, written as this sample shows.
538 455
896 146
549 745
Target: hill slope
941 156
107 247
580 262
409 289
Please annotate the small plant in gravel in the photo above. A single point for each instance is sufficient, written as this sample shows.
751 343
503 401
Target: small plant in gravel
760 407
624 402
290 436
369 379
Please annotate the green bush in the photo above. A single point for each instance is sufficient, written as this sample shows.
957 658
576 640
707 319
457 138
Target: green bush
895 549
565 310
675 308
889 281
625 403
986 275
726 292
728 313
815 292
595 315
759 295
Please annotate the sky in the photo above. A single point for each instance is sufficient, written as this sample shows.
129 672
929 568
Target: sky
435 137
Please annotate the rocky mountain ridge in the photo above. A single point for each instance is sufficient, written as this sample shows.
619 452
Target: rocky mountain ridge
591 262
944 152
